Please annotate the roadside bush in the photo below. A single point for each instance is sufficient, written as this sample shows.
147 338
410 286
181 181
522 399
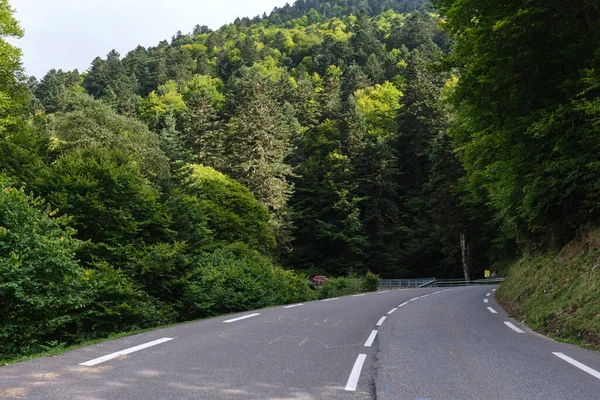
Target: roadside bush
119 305
351 284
42 285
341 286
237 278
371 282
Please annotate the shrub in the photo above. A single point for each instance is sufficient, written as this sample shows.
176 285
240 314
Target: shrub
119 305
41 283
237 278
371 282
341 286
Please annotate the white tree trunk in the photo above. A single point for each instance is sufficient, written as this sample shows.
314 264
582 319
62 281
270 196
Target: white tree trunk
464 248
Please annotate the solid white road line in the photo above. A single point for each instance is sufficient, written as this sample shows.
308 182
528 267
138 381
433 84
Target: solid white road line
414 298
355 374
359 295
371 339
130 350
380 322
392 310
335 298
492 310
579 365
383 291
241 318
403 304
486 301
488 295
294 305
513 327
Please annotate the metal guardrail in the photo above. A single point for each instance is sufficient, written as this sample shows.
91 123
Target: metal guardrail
433 282
465 282
405 283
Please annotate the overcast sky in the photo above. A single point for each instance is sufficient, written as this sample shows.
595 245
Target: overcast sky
69 34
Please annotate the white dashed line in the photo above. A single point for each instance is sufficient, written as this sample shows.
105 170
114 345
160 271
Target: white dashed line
493 290
392 310
294 305
488 295
579 365
381 320
439 291
371 339
414 298
424 296
130 350
446 290
241 318
492 310
513 327
486 301
403 304
335 298
359 295
383 291
355 374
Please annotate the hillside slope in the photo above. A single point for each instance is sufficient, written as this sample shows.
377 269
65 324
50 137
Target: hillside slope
558 293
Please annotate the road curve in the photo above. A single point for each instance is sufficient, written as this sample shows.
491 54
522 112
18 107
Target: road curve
420 344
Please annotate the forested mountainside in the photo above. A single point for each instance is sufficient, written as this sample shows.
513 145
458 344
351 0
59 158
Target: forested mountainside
214 172
334 124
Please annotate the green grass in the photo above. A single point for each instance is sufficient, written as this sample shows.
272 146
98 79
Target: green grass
558 293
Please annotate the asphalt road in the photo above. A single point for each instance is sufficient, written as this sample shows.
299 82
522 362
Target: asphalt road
441 345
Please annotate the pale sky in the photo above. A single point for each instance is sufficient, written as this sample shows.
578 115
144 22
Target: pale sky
69 34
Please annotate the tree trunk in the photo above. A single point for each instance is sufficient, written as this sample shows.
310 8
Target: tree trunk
464 247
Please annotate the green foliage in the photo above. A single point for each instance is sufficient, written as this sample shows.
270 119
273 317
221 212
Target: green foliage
42 286
109 200
525 128
258 143
234 215
90 124
371 282
341 286
118 305
558 292
236 278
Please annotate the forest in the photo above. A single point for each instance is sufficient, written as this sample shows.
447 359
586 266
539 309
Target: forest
357 139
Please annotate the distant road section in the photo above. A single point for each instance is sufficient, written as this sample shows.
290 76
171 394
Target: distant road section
399 344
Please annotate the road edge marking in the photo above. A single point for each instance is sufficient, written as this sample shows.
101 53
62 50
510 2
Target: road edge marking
513 327
294 305
579 365
241 318
355 374
130 350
